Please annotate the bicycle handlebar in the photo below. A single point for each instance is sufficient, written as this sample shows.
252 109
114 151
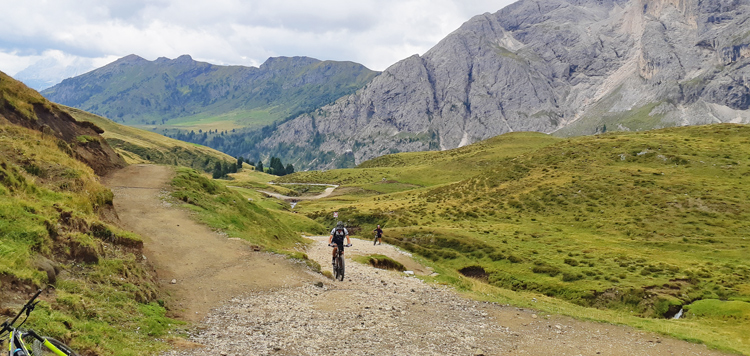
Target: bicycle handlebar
28 308
334 245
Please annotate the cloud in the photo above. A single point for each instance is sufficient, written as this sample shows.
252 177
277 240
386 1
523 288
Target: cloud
376 33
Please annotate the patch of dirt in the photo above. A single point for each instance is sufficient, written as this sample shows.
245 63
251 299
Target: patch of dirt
477 272
207 268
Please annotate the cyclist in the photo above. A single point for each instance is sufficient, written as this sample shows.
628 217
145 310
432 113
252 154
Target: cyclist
337 240
378 236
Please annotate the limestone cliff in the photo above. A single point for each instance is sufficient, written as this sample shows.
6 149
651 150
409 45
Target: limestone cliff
568 67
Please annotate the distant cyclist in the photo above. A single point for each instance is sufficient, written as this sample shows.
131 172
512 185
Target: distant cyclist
378 236
337 239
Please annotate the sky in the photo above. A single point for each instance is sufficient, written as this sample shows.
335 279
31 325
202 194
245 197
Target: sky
376 33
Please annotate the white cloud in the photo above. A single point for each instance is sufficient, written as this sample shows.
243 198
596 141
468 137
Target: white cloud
376 33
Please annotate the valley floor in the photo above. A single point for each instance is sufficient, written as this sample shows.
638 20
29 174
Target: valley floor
250 303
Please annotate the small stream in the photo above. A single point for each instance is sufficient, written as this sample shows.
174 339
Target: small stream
678 315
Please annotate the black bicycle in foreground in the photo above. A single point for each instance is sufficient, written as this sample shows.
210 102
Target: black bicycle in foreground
338 263
18 338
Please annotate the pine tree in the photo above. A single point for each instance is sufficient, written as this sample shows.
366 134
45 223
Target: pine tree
289 169
259 166
277 166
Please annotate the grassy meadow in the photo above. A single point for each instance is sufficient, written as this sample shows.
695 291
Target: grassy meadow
620 227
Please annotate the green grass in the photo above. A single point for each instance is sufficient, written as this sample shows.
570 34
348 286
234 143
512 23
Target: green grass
50 206
230 211
635 224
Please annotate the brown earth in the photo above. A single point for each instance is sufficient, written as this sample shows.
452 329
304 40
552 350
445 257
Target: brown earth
208 268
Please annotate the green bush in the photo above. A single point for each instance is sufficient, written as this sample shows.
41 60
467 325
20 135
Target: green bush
571 277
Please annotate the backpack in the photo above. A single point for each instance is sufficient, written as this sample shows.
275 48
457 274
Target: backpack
339 233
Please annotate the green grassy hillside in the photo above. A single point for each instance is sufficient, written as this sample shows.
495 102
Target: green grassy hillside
633 224
410 170
141 146
50 220
242 212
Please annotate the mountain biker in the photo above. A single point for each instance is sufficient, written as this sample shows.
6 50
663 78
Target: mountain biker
378 236
337 238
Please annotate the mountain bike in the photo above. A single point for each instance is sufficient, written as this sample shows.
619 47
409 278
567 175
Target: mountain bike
338 263
19 338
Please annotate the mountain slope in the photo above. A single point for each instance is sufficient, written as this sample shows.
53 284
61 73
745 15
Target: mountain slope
188 94
631 227
564 66
141 146
53 231
22 106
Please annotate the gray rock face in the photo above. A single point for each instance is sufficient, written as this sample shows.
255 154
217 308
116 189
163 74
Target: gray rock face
568 67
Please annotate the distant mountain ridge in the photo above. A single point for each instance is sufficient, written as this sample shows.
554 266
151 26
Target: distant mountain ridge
569 67
192 94
48 72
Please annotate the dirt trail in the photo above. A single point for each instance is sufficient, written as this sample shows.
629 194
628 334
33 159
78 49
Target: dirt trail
325 193
377 312
208 268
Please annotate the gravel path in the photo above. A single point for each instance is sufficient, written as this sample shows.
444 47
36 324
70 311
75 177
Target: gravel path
377 312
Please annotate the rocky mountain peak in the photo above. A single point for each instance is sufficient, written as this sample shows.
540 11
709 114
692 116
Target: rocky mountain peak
568 67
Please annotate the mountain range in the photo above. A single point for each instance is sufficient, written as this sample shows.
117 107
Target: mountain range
569 67
49 71
565 67
195 95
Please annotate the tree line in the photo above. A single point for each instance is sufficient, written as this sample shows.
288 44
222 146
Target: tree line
275 167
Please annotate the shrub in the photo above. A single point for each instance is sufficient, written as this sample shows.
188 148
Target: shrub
570 261
544 269
571 276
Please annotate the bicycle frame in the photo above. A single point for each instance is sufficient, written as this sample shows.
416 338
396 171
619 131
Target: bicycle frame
16 335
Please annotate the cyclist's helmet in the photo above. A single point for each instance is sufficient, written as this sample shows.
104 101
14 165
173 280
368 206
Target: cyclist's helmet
339 224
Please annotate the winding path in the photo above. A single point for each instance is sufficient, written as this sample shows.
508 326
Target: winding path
325 193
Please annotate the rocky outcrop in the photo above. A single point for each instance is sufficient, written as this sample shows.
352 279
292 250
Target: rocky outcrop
568 67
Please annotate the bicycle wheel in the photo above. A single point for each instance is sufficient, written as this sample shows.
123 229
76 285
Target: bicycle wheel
39 349
341 268
336 268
